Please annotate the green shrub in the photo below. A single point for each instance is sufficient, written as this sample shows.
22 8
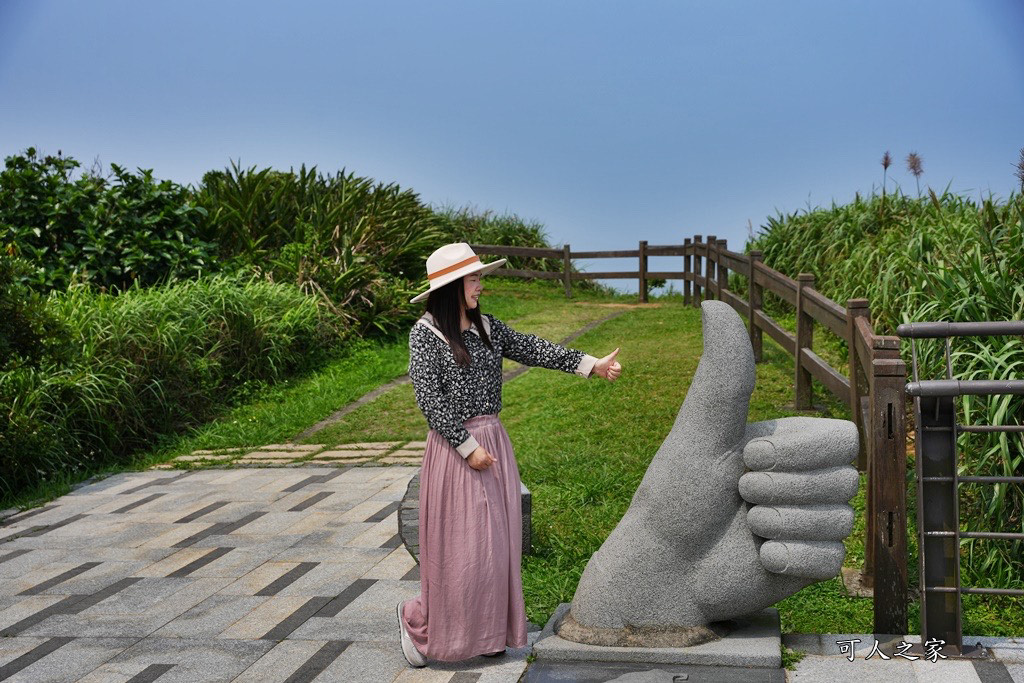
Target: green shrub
151 362
355 244
107 232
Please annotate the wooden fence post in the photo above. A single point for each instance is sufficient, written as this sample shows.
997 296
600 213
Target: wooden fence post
723 272
755 296
697 270
804 340
709 275
643 271
686 271
567 272
887 479
856 308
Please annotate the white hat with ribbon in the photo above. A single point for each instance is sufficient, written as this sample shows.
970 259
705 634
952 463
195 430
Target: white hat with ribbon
452 261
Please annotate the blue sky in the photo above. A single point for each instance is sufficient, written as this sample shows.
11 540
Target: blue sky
608 122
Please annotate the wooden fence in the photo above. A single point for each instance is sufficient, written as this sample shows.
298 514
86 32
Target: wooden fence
874 391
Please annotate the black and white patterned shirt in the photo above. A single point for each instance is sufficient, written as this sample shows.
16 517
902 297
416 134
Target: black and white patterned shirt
449 395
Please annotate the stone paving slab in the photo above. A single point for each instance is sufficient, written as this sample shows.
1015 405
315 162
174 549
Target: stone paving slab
262 462
252 575
198 659
211 617
301 447
206 458
272 455
394 459
349 453
70 659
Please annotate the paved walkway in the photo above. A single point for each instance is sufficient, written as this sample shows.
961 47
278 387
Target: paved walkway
287 573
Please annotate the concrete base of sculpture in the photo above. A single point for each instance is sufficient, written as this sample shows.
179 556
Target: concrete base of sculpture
752 641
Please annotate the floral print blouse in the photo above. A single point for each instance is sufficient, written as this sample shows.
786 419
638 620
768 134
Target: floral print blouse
449 395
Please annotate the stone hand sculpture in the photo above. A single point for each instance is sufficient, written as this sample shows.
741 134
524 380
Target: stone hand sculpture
729 518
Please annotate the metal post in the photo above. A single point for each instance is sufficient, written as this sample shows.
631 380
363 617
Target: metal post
935 447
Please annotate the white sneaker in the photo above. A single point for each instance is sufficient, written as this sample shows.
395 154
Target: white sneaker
412 655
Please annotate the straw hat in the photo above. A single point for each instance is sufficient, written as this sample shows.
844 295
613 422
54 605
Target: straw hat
450 262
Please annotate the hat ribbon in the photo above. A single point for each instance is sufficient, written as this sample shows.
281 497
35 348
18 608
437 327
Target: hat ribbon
453 267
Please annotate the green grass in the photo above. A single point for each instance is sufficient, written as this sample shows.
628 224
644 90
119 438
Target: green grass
790 658
271 414
534 308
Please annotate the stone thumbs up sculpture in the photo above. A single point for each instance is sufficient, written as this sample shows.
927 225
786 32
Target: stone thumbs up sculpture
730 517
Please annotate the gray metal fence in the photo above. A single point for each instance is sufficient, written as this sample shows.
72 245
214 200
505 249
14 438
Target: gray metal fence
938 480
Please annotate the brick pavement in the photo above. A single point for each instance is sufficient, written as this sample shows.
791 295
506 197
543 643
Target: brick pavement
282 563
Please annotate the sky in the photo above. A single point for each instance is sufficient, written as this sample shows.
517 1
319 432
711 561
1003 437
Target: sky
608 122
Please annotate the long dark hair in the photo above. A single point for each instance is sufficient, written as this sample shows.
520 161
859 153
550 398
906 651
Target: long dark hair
445 304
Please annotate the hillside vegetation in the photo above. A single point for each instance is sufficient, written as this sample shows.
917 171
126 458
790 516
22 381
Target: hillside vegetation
943 258
133 309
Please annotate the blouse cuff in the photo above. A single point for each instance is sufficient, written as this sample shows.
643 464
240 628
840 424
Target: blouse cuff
467 447
586 366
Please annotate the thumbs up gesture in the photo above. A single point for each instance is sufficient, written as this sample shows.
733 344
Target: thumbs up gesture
608 367
730 517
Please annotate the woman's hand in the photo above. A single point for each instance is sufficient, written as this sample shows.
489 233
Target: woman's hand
608 367
480 459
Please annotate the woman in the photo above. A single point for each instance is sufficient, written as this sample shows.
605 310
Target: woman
471 594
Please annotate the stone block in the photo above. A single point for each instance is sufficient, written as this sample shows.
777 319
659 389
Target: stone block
74 660
205 458
756 641
299 447
282 661
194 659
271 455
386 445
211 616
399 460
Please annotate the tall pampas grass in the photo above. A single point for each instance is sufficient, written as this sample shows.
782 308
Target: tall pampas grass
914 166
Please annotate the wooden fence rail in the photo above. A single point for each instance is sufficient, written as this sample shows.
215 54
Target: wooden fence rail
873 390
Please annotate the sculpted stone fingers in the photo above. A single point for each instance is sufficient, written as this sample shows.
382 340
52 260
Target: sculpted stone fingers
818 560
800 443
831 485
826 522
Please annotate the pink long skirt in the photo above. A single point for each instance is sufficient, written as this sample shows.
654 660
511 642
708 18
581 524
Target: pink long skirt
471 589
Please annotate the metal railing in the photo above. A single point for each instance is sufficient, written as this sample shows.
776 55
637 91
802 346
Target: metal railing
938 500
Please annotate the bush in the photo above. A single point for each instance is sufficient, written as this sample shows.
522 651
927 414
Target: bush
355 244
108 233
150 362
